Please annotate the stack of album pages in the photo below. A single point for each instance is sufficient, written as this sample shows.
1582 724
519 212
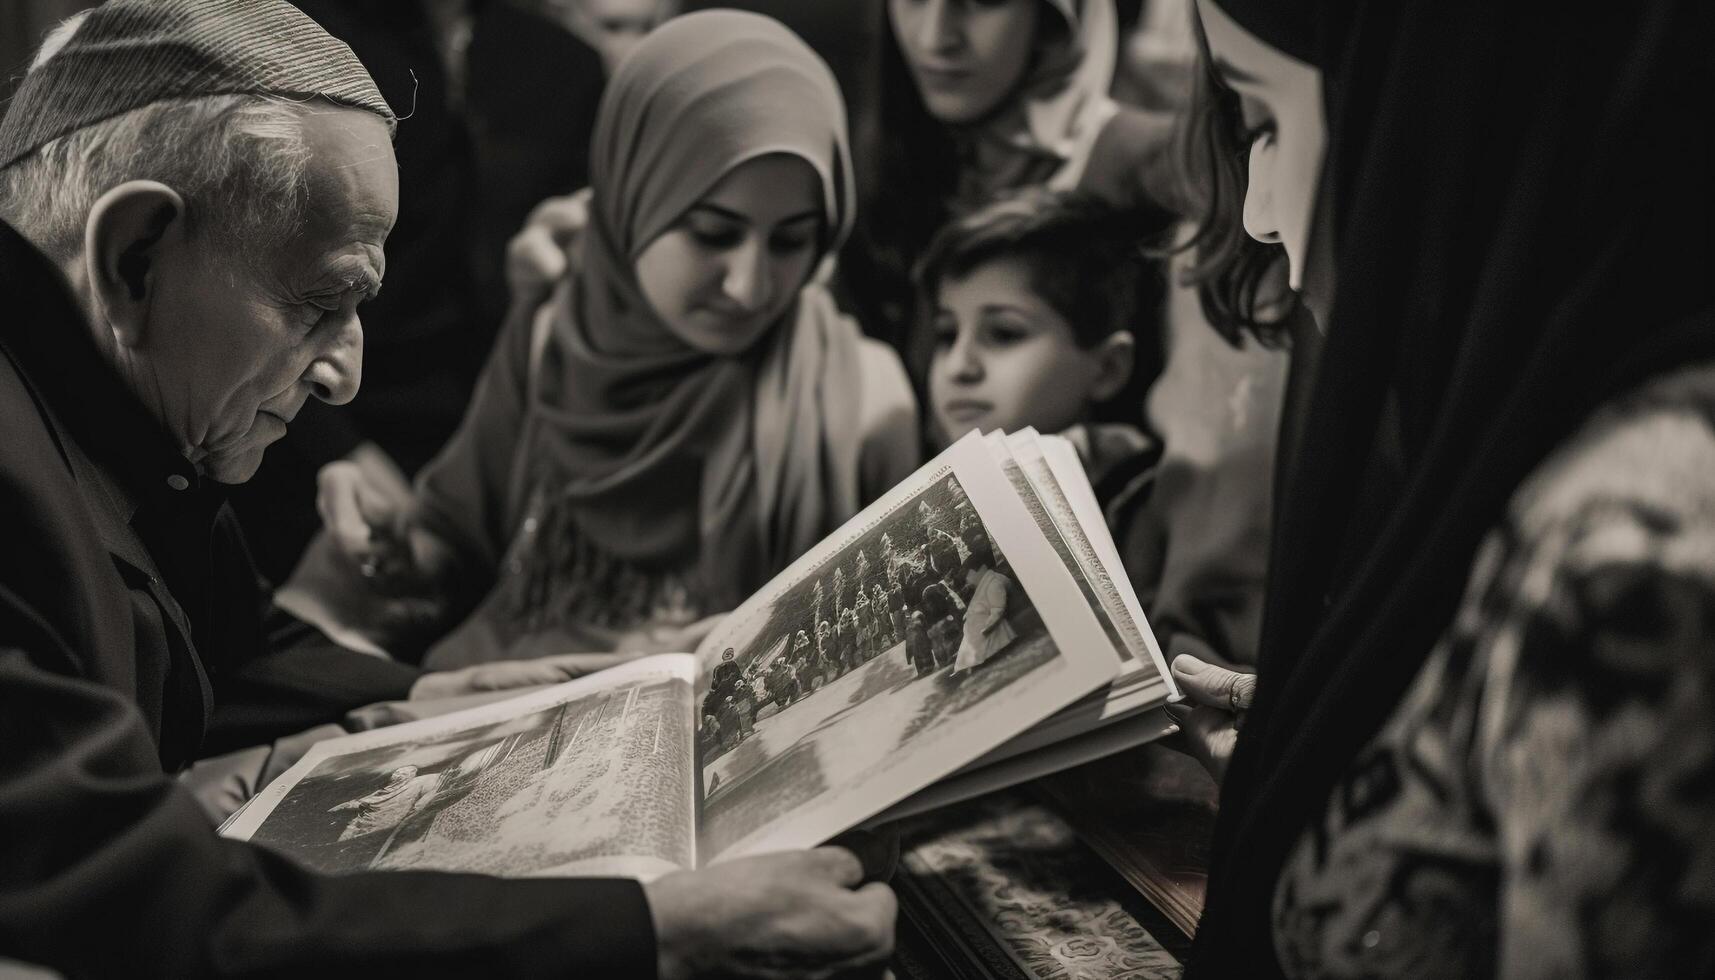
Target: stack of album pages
971 629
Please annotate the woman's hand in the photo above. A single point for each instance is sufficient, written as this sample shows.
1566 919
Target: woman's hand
371 578
1217 695
365 502
540 253
368 511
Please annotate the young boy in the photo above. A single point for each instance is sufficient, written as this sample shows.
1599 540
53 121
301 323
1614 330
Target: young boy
1047 313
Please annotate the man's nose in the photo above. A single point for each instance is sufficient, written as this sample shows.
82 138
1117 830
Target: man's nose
337 372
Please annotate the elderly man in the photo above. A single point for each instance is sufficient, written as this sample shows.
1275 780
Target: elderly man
201 191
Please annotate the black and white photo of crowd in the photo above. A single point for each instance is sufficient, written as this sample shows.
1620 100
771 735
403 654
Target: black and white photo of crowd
488 797
924 595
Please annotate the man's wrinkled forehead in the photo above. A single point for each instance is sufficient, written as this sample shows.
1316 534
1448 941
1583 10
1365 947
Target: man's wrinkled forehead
353 188
352 163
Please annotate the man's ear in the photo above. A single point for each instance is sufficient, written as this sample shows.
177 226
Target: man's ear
1115 358
124 236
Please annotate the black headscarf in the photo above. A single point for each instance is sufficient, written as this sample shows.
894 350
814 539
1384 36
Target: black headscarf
1522 226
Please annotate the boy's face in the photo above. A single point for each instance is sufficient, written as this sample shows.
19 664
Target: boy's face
1005 359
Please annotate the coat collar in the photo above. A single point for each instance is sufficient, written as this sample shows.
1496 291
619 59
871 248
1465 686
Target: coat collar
139 466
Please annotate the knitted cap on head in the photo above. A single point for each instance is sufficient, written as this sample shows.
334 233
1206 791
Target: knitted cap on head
130 53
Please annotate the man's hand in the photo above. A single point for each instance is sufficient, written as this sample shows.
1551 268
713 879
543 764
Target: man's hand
799 914
506 674
877 849
1217 697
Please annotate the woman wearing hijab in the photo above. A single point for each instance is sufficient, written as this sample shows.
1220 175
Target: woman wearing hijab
1482 740
686 413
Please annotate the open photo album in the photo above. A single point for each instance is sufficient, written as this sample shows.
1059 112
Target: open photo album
971 629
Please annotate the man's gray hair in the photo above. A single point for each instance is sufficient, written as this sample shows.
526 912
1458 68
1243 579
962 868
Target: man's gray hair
239 162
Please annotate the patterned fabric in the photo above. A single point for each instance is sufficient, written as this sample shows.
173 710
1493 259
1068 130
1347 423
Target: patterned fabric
132 53
1001 887
574 596
1541 803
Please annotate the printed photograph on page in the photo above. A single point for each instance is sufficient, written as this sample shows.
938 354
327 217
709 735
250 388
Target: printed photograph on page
908 631
1108 584
595 782
1038 508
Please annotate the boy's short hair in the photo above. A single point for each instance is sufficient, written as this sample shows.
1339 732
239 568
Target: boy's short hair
1086 259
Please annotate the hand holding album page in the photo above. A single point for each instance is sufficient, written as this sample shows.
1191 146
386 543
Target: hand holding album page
940 624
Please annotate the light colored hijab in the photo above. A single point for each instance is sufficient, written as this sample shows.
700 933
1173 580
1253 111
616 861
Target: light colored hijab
659 453
1051 122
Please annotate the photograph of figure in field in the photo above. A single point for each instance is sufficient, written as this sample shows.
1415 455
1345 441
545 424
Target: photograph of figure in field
915 621
594 777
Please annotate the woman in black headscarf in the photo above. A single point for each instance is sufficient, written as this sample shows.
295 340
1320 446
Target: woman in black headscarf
1483 736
